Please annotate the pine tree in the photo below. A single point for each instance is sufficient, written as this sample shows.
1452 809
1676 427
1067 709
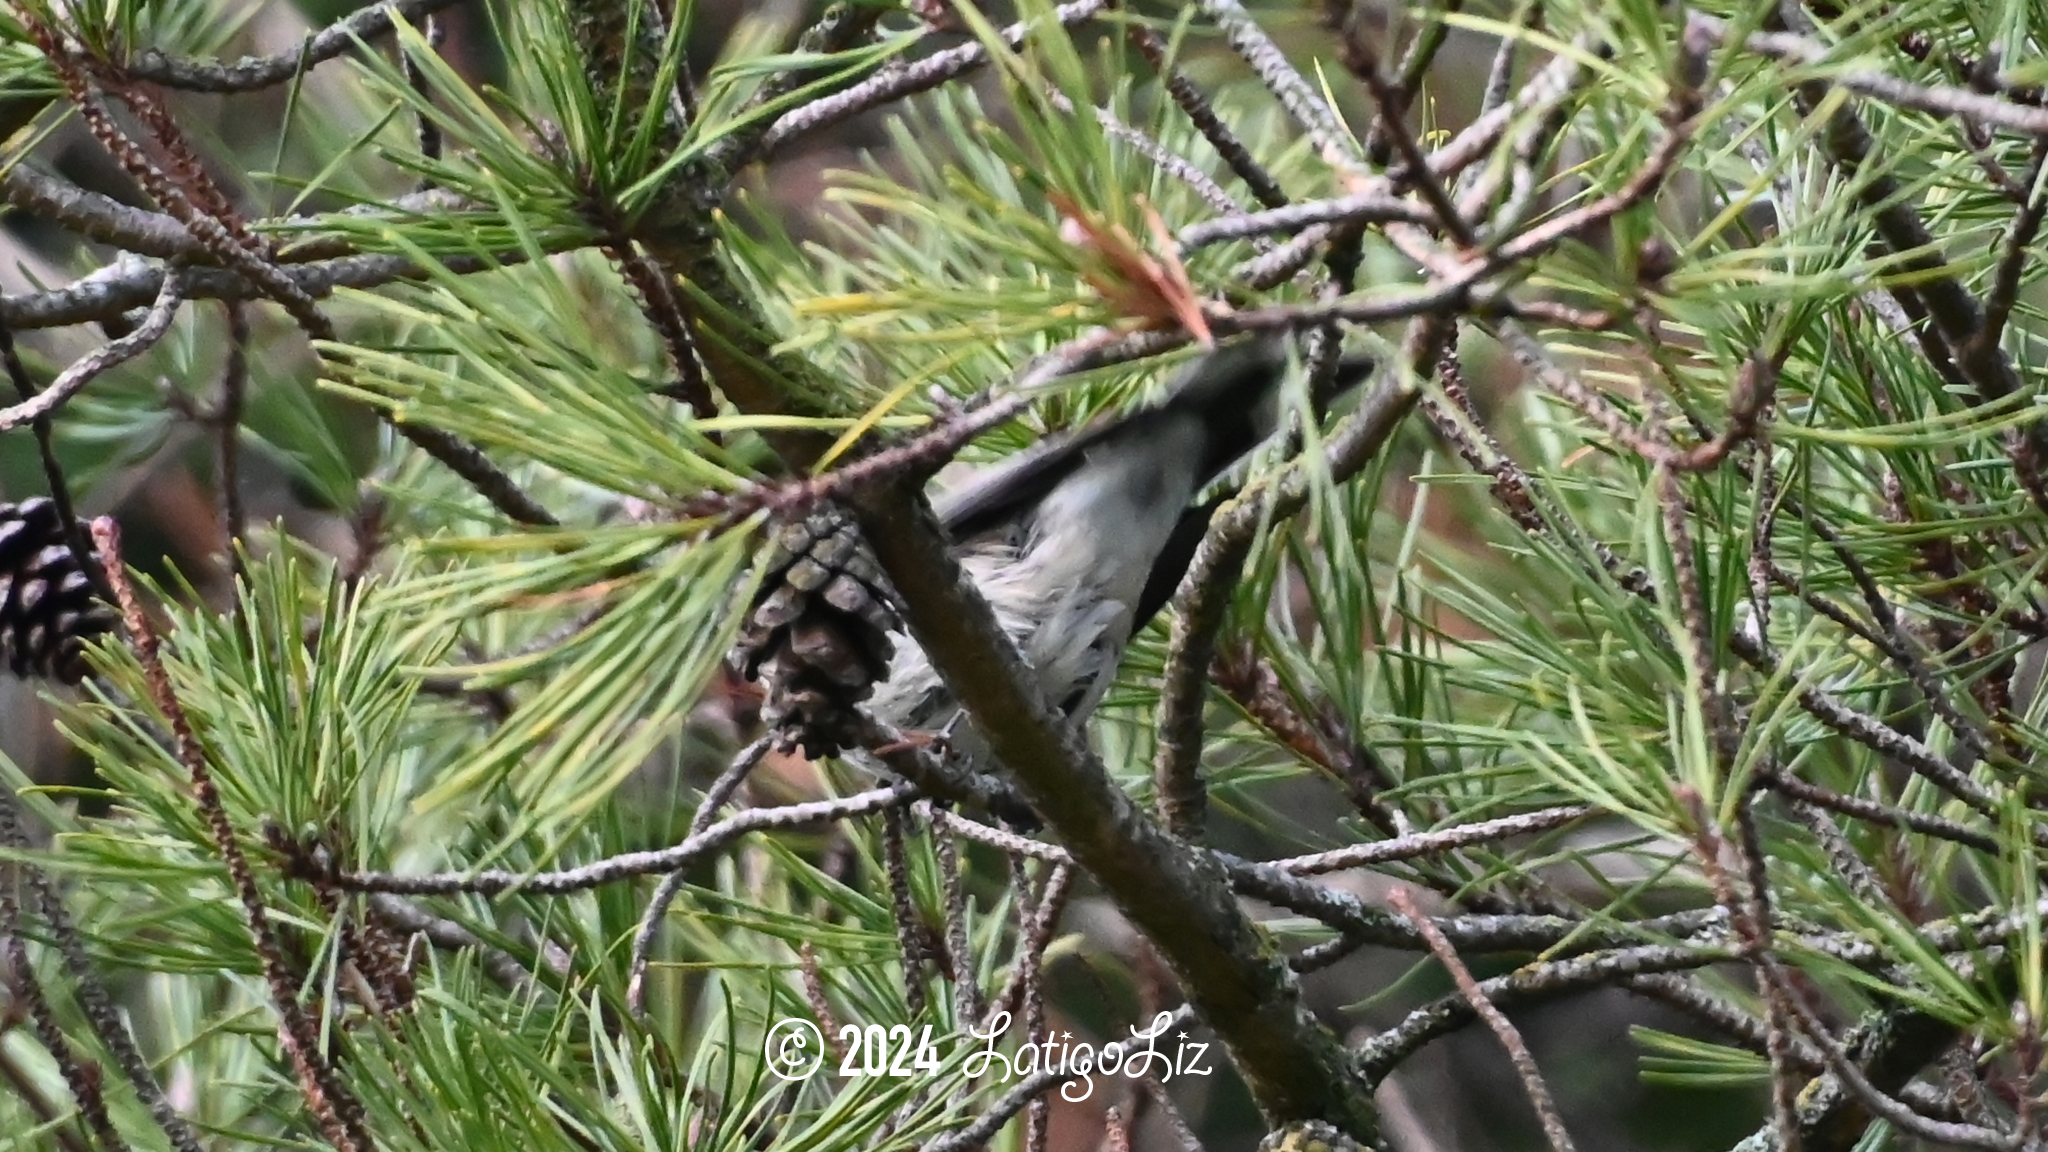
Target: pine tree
1662 619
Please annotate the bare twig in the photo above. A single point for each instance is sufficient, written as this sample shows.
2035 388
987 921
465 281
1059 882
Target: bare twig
1253 685
1864 809
1704 933
999 1112
1176 1123
1295 93
1878 86
1199 609
1875 734
910 931
1879 1102
893 85
1380 1055
82 1080
1750 916
96 216
1428 843
1752 391
1684 994
1010 843
1409 75
815 998
193 201
1285 261
1501 72
715 797
839 28
1196 105
223 235
46 448
1171 163
500 965
107 1020
252 72
1842 855
1037 933
226 418
722 789
1704 655
1371 208
2013 258
333 1106
1390 128
651 282
940 777
491 882
94 364
426 130
959 943
131 283
1777 1024
46 1112
1510 1038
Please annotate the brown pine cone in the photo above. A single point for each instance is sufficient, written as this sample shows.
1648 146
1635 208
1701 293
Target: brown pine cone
818 634
49 608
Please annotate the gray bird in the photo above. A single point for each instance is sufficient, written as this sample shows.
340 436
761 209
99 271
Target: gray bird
1078 541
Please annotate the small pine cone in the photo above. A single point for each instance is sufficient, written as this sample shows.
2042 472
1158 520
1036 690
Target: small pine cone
49 608
818 635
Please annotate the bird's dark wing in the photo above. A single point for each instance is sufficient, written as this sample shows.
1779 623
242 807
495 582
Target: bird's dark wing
1001 495
1173 562
1225 444
1222 389
1225 390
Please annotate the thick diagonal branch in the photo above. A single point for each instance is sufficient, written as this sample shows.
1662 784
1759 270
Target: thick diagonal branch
1176 895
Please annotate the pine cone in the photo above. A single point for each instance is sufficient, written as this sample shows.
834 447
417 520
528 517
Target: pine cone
818 636
49 608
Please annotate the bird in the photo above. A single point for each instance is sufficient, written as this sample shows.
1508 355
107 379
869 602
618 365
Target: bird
1080 540
1076 542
